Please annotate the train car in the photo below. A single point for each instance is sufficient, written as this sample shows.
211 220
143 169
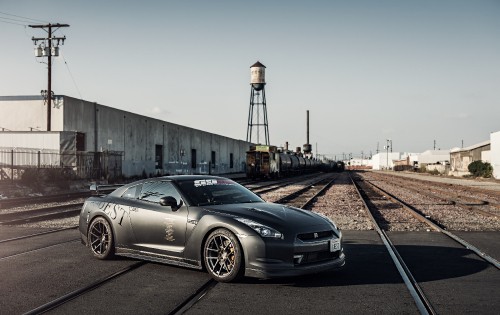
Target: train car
262 162
285 165
309 165
265 161
295 164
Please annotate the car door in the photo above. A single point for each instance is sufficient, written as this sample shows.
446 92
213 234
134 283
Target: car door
159 229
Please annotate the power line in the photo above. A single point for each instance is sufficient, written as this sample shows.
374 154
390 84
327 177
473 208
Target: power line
22 17
72 78
14 23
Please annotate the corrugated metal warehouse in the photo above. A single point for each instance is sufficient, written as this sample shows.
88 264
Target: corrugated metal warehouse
133 143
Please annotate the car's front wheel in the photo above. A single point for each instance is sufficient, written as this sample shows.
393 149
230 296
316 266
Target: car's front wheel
100 239
223 256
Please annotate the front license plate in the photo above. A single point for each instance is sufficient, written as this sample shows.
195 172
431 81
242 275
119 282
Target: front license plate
334 245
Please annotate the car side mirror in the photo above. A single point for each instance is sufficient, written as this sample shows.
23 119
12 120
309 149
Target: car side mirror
171 202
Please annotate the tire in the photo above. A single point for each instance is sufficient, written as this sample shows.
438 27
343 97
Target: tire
223 256
100 239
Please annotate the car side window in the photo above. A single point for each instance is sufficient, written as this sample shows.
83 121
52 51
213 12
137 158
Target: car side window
132 192
153 191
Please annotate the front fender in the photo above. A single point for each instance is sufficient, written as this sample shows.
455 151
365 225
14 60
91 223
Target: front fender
207 224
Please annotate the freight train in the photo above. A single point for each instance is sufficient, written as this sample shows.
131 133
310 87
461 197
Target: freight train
264 161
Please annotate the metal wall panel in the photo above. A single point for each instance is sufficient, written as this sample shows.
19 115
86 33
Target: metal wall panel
134 136
31 140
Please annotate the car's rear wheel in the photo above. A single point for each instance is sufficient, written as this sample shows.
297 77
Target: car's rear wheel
100 239
223 256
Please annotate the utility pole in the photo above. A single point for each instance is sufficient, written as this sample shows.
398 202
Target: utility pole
46 49
387 150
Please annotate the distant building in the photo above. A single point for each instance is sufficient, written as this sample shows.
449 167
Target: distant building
461 158
495 153
409 160
385 160
358 164
87 136
434 157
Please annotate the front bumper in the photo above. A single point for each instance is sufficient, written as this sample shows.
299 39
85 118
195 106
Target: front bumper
270 270
278 258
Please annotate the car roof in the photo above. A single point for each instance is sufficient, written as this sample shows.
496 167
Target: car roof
175 178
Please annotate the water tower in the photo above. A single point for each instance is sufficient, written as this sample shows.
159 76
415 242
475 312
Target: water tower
257 114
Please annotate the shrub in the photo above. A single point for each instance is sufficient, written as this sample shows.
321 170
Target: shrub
434 172
422 169
480 169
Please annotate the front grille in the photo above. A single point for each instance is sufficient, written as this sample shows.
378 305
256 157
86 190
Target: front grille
315 235
315 257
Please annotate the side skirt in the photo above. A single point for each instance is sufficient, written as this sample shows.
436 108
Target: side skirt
165 259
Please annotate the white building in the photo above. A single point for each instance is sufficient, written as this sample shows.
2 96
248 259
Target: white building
495 153
385 160
434 157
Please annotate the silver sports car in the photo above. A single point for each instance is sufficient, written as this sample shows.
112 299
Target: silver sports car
209 222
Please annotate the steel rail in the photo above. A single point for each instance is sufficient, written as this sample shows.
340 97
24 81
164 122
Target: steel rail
70 296
324 188
37 211
11 202
466 201
43 217
454 196
194 298
299 192
438 228
38 249
423 304
37 234
279 184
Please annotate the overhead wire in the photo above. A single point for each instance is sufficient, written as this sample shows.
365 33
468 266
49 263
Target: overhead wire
71 75
23 17
11 22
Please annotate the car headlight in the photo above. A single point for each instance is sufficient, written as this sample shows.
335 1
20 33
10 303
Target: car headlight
262 229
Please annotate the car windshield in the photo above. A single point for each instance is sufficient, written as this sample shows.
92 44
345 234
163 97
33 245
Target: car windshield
205 192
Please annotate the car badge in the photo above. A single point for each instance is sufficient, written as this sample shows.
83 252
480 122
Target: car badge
316 235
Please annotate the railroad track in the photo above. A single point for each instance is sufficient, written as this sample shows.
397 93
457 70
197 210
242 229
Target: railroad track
113 277
437 226
37 234
41 214
372 195
266 186
452 194
304 197
15 202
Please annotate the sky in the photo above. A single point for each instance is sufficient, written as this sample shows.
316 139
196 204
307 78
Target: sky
416 72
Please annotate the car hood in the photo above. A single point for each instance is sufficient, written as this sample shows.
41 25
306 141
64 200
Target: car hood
271 214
